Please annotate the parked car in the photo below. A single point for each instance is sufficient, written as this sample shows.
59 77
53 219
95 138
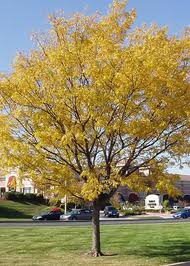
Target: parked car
110 211
176 207
52 215
185 213
77 214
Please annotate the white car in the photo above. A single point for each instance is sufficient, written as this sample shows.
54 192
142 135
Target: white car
77 214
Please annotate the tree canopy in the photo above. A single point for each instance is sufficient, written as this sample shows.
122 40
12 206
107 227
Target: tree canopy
96 101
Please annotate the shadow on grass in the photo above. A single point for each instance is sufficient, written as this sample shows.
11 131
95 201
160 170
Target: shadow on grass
28 202
90 254
7 212
172 250
110 254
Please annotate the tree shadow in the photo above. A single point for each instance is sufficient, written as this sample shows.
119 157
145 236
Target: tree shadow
110 255
7 212
103 254
28 202
172 250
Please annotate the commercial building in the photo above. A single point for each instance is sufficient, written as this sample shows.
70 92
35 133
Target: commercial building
183 184
11 182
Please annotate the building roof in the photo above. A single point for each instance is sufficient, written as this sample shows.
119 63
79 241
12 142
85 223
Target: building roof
184 177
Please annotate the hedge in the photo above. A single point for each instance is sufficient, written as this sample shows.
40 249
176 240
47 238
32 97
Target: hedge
19 196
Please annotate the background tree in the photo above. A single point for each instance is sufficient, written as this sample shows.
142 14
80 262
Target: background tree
133 198
93 103
186 200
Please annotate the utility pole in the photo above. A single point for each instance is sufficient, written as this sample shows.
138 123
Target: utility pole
65 204
65 198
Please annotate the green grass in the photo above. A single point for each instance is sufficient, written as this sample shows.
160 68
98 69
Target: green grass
13 210
134 245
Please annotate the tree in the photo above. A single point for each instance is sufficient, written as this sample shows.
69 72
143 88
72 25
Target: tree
166 204
133 198
186 199
94 102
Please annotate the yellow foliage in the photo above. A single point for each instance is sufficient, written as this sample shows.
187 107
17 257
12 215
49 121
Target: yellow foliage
96 101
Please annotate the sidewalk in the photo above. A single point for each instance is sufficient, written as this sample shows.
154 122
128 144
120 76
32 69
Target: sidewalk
187 263
161 215
147 216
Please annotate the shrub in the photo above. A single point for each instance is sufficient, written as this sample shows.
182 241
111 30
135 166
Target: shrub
154 211
166 204
40 198
31 197
9 196
134 211
37 198
15 196
133 197
19 196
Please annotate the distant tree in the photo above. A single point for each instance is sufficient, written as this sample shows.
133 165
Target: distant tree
186 199
121 198
166 204
133 197
95 102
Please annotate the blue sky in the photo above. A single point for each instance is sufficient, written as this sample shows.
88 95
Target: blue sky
19 18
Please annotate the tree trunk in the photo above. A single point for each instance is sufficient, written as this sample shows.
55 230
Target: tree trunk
96 247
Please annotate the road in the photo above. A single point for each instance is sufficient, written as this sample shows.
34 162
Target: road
88 223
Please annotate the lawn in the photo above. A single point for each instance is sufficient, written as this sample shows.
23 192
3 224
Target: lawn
13 210
153 244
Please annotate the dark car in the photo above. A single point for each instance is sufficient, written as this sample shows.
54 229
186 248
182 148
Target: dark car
52 215
77 214
110 211
185 213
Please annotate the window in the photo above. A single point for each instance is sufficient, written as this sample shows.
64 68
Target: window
27 190
2 190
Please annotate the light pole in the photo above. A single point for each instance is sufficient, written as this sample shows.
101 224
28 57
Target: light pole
65 204
65 198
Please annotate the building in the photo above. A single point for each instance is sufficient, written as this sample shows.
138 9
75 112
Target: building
11 182
183 184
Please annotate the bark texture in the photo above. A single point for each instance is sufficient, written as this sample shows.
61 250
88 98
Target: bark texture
96 246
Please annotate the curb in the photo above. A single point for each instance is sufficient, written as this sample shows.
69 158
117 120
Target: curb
185 263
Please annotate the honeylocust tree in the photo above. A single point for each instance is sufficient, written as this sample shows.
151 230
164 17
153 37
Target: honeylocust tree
93 103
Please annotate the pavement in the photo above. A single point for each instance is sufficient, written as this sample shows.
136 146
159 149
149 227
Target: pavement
147 216
157 215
